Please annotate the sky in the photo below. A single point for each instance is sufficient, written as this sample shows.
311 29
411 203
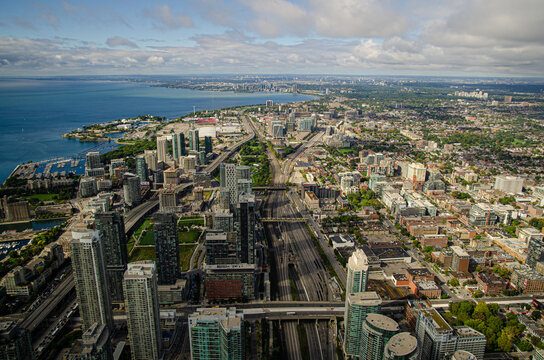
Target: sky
352 37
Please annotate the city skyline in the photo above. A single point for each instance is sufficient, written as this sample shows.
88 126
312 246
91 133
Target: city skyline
467 38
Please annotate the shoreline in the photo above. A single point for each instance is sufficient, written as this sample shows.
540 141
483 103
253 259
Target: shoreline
117 140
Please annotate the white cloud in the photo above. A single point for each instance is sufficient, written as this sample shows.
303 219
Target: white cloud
117 41
166 18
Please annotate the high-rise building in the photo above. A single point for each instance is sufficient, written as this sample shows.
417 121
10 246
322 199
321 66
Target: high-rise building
229 175
437 339
166 247
141 168
142 308
243 172
90 279
416 173
208 144
535 252
132 189
216 334
358 306
178 146
194 140
167 200
111 226
162 149
460 260
509 184
188 163
223 220
357 277
377 331
95 344
151 159
93 160
245 228
220 248
15 342
402 346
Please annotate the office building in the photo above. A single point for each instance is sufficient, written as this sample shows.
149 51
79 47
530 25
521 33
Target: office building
402 346
88 187
151 160
220 248
167 201
377 331
245 228
94 345
535 252
166 247
15 342
437 339
201 156
93 160
141 168
223 220
216 334
306 124
358 306
208 144
460 259
482 214
142 309
178 146
111 226
132 190
357 277
194 140
162 149
416 173
90 278
19 210
509 184
230 282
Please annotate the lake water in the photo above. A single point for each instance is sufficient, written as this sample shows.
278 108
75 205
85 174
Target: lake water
34 113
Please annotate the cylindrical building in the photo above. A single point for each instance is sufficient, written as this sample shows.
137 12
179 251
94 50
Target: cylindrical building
377 331
402 346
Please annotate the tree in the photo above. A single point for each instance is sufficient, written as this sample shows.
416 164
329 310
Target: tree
536 315
454 282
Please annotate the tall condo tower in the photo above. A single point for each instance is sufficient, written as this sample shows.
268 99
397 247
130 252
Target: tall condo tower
114 242
90 279
166 247
142 309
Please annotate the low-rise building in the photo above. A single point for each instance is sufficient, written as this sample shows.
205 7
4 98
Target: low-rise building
490 283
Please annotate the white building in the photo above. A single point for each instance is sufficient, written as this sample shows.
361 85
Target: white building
509 184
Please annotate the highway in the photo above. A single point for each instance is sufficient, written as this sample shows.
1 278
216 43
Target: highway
36 317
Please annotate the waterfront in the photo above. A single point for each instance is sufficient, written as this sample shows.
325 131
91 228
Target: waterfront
34 113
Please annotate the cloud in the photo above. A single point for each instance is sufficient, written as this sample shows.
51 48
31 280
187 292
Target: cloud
335 19
233 52
24 24
166 18
118 41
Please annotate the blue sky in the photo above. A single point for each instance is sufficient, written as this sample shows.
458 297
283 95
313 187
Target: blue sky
426 37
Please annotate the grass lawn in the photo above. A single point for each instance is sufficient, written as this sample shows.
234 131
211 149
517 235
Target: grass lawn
148 238
148 253
143 253
185 253
130 244
41 197
190 220
188 236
